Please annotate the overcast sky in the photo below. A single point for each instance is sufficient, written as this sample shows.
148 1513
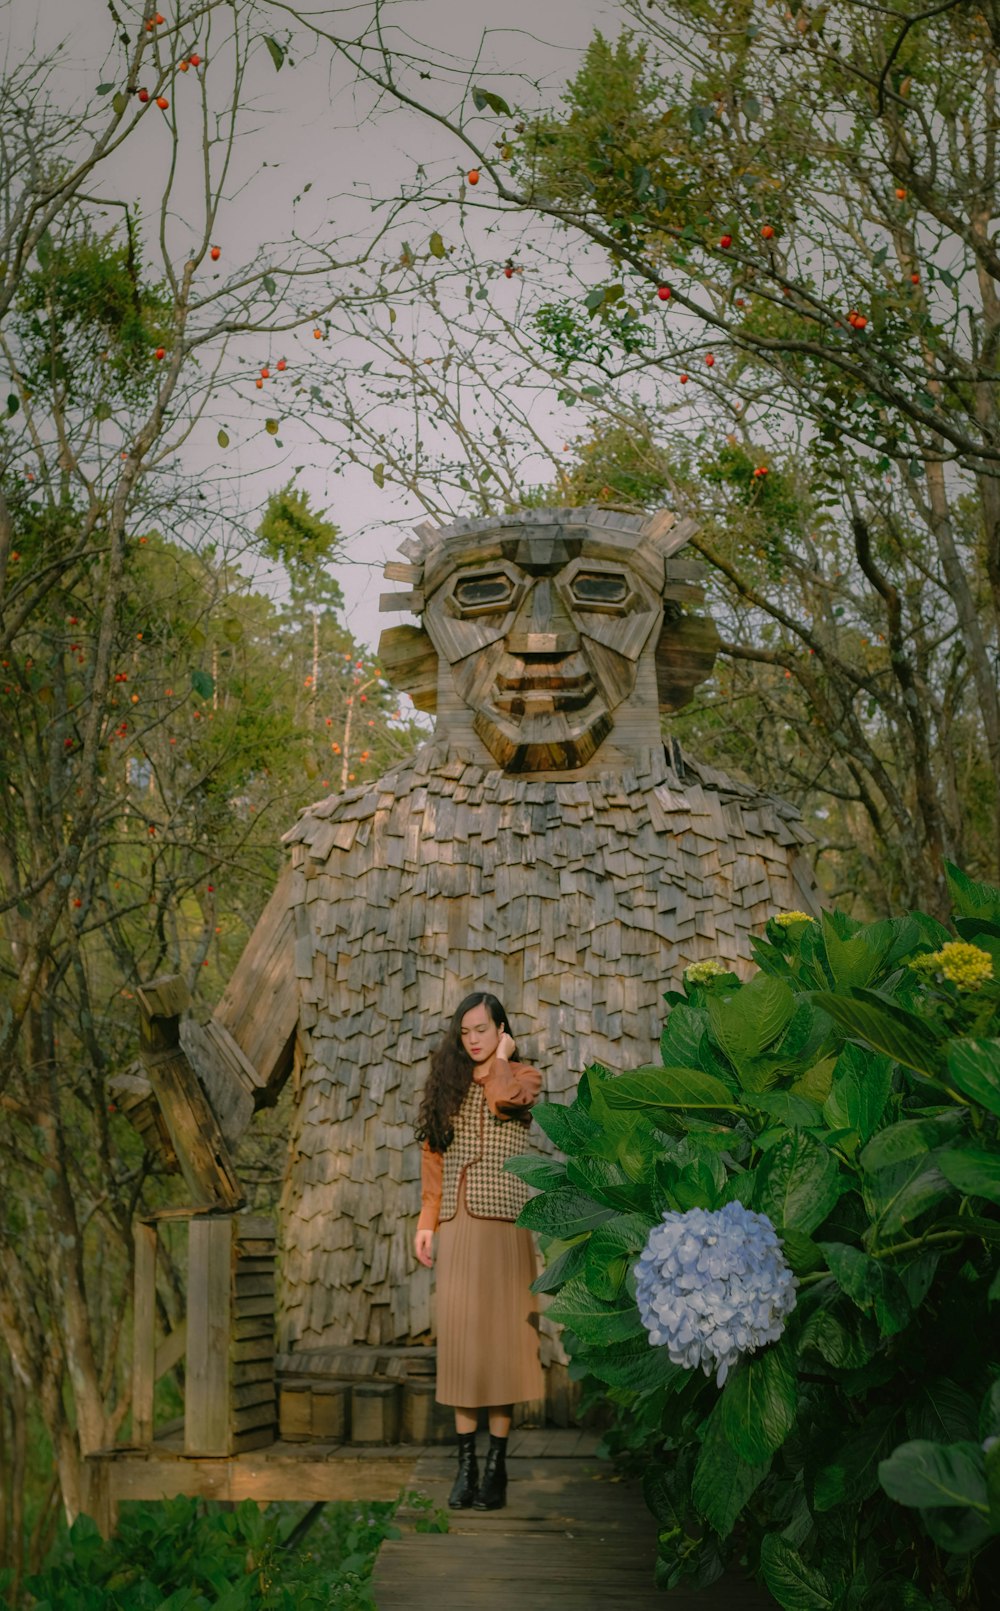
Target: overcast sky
307 133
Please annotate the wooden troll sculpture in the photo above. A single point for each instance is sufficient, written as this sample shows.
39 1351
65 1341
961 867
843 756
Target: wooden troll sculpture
544 844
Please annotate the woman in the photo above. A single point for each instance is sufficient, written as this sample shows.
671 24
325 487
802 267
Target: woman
473 1115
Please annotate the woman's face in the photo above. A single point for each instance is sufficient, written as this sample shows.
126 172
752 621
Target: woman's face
480 1035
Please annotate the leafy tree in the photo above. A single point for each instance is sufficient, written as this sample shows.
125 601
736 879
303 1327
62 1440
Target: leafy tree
791 210
151 746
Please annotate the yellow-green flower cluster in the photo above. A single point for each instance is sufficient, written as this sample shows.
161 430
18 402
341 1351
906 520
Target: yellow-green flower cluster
963 965
700 972
786 919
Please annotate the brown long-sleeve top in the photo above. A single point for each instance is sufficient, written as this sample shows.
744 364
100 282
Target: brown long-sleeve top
509 1089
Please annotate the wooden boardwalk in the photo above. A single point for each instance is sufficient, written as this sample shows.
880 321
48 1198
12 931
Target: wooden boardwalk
572 1537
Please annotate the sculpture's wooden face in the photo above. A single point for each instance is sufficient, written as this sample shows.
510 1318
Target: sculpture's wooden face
543 636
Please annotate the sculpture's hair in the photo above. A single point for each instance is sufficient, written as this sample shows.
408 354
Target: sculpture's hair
451 1073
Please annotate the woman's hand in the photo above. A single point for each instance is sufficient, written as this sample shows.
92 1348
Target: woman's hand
423 1242
506 1047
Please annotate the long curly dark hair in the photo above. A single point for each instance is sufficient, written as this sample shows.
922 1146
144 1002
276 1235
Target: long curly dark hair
451 1073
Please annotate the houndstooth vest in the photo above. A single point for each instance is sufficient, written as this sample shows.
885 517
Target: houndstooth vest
481 1143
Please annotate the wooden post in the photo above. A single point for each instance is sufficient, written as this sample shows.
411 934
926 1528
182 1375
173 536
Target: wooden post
209 1300
143 1331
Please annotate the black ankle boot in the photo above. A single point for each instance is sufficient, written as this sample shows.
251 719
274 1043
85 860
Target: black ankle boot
463 1490
492 1491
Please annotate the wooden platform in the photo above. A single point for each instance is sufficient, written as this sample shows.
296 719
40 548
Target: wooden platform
572 1535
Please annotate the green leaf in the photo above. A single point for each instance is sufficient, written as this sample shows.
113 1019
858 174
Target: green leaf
846 1343
275 51
13 404
887 1028
796 1112
800 1251
591 1319
942 1411
898 1143
900 1194
203 684
593 300
637 1367
757 1406
481 98
975 1171
969 898
860 1090
672 1088
722 1482
748 1021
798 1183
105 89
436 245
232 629
612 1250
974 1069
378 475
563 1268
120 103
871 1284
794 1585
681 1038
223 439
568 1125
852 1475
271 427
269 284
854 960
564 1212
542 1173
921 1474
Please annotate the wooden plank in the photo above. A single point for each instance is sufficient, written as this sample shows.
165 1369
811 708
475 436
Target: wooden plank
217 1061
263 1305
259 1008
255 1393
322 1478
144 1371
252 1370
165 997
252 1286
171 1349
194 1132
207 1380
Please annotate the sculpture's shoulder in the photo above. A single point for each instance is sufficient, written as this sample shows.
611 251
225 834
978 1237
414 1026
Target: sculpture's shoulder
696 779
430 771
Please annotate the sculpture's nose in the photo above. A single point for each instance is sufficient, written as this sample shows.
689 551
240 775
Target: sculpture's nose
542 625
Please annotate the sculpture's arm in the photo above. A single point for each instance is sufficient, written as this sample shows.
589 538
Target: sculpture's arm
431 1178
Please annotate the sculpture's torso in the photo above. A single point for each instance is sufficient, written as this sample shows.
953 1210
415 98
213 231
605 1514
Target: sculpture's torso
577 902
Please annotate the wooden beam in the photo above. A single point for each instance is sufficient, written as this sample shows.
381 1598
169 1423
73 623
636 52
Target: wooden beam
194 1131
206 1382
259 1009
143 1331
321 1474
171 1349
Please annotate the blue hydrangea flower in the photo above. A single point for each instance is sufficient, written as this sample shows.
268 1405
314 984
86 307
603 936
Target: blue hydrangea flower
712 1284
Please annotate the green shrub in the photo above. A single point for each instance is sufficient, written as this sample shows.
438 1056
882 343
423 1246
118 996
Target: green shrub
849 1091
184 1555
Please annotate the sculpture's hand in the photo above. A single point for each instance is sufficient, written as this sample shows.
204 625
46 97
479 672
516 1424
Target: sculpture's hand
506 1047
423 1242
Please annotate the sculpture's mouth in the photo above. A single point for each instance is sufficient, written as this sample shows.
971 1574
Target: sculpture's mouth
542 684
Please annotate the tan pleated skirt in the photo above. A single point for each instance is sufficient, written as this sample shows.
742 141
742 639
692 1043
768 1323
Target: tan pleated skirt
487 1318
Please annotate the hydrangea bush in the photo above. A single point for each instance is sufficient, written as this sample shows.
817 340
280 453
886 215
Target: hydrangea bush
777 1258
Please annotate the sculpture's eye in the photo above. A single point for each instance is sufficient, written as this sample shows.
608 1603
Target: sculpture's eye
490 591
599 587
